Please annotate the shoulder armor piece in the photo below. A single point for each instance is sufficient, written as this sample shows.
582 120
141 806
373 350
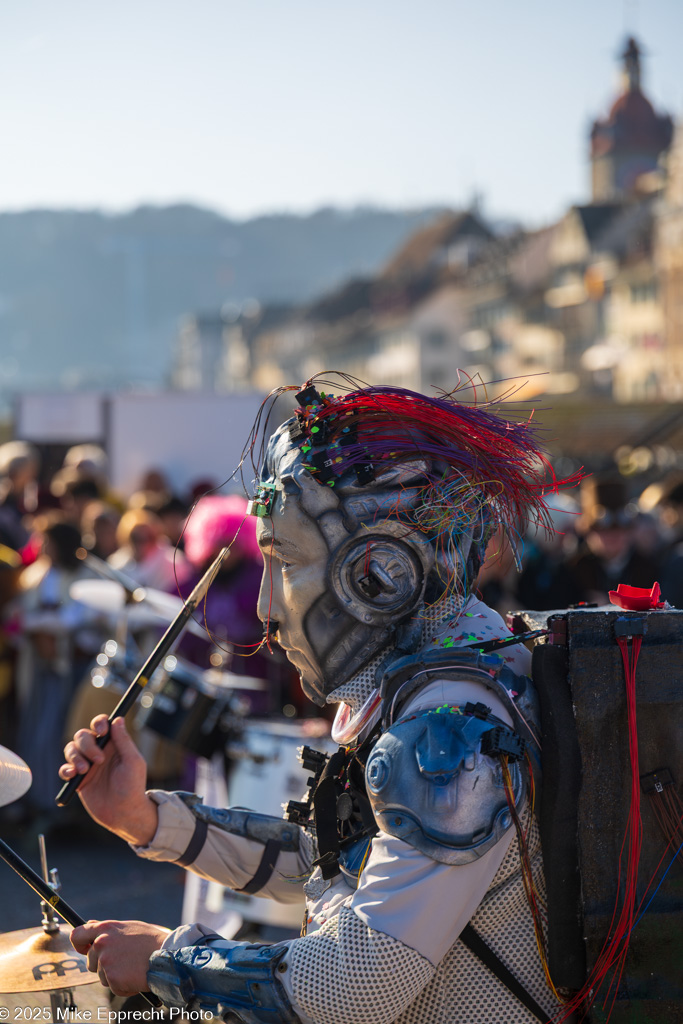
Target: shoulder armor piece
407 676
430 784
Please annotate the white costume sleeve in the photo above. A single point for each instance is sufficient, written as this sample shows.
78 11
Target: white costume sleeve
229 859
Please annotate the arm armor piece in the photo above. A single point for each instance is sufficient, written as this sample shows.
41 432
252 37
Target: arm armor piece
237 985
248 824
430 785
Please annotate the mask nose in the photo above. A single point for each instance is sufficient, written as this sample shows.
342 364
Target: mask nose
265 605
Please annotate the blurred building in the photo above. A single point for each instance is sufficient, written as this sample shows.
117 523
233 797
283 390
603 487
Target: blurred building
577 305
402 327
592 303
211 354
669 270
630 140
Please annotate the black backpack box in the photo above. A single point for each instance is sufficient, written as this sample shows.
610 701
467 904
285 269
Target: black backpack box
579 674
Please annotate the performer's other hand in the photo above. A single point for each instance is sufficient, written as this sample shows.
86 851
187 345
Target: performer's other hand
113 788
119 951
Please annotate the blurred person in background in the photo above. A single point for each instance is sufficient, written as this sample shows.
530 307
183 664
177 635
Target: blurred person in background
155 481
607 554
666 499
172 513
99 524
10 568
545 581
649 536
74 493
18 491
145 555
56 638
202 488
229 611
497 577
88 462
169 509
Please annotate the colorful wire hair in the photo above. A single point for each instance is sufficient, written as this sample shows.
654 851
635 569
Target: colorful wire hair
480 469
477 456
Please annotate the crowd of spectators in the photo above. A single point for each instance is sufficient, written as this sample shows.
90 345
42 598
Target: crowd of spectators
51 633
601 535
597 537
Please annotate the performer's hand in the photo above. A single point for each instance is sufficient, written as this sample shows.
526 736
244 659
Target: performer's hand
119 951
113 789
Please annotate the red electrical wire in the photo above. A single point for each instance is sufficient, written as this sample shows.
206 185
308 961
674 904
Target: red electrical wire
613 954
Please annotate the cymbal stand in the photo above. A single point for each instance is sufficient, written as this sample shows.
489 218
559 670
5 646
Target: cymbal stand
62 1001
47 892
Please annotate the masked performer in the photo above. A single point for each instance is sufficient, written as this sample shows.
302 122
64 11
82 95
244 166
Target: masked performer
417 846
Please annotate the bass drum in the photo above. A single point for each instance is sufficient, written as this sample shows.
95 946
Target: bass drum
196 709
99 693
265 774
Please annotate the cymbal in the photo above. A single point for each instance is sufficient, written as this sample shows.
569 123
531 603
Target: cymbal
15 777
149 607
32 960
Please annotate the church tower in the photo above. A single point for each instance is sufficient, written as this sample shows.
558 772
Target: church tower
629 141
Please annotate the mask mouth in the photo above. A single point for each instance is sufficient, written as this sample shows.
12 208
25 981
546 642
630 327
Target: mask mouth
270 631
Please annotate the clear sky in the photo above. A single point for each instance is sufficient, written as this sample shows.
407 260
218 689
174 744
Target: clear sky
274 105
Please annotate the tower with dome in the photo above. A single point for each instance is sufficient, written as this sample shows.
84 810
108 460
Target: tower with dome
630 140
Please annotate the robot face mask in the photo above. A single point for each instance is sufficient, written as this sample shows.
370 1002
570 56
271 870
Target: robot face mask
340 578
373 506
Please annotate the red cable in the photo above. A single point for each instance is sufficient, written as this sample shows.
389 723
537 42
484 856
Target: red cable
614 950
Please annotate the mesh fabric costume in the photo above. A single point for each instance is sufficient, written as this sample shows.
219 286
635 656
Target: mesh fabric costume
375 509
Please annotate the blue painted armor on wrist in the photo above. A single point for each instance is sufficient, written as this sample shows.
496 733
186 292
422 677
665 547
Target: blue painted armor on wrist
237 985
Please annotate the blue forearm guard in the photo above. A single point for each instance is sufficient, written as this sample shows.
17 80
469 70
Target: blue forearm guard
238 985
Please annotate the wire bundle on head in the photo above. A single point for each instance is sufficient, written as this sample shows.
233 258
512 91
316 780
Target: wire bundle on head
480 463
469 470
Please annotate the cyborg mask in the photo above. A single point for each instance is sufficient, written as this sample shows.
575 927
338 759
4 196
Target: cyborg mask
387 499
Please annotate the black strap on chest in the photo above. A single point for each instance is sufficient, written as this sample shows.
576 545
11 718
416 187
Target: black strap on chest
474 942
325 798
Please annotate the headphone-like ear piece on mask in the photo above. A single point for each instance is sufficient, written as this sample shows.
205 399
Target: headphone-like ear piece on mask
378 578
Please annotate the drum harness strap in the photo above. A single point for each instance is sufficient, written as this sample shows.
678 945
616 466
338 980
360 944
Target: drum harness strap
474 942
336 810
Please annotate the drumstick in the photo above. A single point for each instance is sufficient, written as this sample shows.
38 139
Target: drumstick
158 654
47 893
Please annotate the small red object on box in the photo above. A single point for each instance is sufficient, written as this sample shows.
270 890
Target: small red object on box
636 599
